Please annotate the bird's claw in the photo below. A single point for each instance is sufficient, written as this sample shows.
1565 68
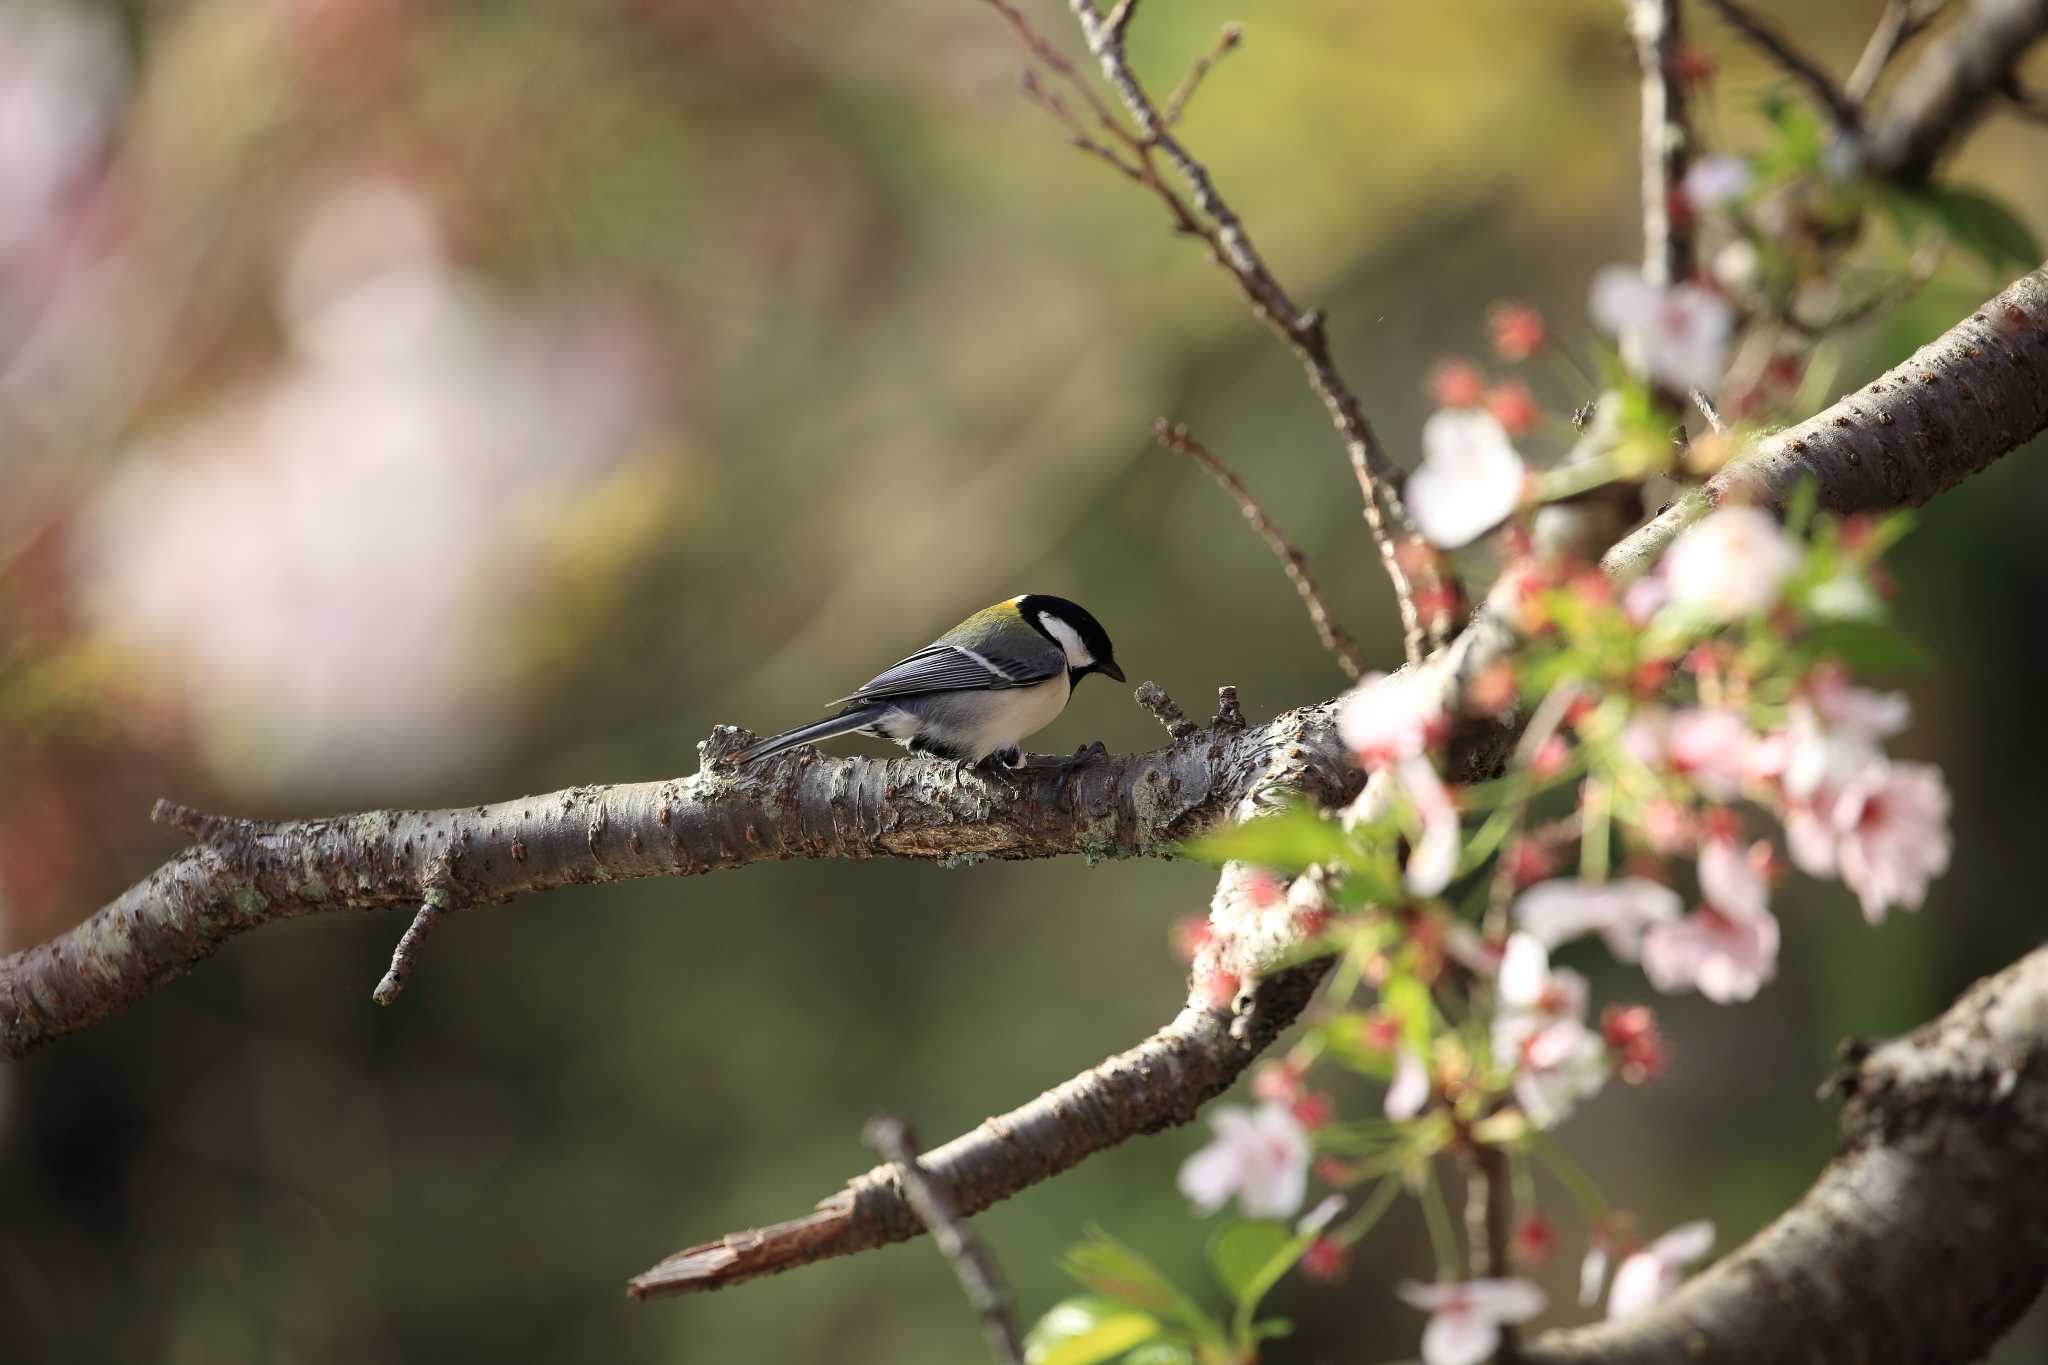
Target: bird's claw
1081 758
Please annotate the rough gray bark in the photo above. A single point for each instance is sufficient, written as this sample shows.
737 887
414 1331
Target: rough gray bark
243 874
1924 1240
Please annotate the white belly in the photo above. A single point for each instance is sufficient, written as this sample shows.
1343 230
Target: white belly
973 725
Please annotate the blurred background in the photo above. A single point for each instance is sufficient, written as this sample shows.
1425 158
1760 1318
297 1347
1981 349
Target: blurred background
411 403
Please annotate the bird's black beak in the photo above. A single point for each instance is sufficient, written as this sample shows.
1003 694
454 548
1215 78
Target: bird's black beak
1108 669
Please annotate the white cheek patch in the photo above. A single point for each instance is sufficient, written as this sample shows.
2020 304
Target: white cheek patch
1077 653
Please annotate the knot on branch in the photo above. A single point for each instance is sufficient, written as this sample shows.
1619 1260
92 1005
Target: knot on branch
225 834
714 750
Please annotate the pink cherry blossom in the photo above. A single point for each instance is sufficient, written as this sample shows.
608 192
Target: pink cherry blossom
1734 880
1732 565
1558 911
1259 1156
1465 1319
1716 180
1858 710
1650 1275
1593 1270
1392 716
1435 855
1540 1032
1891 827
1410 1089
1470 478
1709 744
1678 336
1727 958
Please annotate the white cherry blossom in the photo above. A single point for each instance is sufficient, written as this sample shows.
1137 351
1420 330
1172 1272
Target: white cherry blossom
1470 478
1892 837
1650 1275
1259 1156
1677 336
1465 1319
1732 564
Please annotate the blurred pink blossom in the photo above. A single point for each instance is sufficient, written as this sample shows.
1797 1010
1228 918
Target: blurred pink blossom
1465 1319
1259 1156
1470 478
1731 565
333 567
1677 336
1891 824
1650 1275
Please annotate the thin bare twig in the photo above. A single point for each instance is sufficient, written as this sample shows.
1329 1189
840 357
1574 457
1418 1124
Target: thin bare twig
1901 22
1229 715
1177 102
1166 711
1667 140
434 902
1841 111
1205 214
1709 411
980 1280
1292 561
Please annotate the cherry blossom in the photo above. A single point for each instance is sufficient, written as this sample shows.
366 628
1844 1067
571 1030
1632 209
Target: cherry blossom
1677 336
1727 958
1465 1319
1650 1275
1710 746
1410 1089
1560 910
1891 827
1392 716
1517 329
1540 1031
1435 855
1731 565
1713 181
1469 481
1259 1156
1593 1270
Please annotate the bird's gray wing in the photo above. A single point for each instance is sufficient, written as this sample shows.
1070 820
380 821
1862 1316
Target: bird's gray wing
953 668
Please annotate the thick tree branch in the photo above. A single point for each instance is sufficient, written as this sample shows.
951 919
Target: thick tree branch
1924 1240
1954 83
1972 395
1165 1080
243 874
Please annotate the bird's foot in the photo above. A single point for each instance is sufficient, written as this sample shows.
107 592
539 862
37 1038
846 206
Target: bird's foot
1081 758
996 767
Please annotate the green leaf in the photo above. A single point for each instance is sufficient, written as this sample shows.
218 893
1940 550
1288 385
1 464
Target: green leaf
1239 1252
1087 1329
1798 141
1865 647
1161 1353
1976 222
1113 1270
1288 841
1407 999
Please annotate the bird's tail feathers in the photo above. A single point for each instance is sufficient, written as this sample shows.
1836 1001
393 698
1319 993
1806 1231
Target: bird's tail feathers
844 723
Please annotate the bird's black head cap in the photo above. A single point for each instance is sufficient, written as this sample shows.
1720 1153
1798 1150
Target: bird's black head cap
1071 617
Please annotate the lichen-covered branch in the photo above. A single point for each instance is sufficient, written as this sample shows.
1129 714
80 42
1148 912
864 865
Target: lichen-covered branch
1924 1239
1972 395
243 874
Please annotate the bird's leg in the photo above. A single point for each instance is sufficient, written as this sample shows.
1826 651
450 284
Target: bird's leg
998 766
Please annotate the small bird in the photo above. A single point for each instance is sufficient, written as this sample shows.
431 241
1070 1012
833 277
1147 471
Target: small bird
978 691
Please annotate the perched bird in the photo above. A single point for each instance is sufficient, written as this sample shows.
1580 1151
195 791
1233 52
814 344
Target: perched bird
978 691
